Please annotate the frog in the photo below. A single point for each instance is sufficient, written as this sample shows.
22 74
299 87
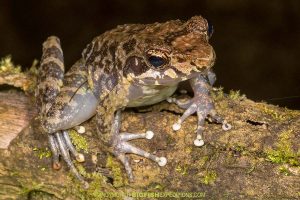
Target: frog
131 65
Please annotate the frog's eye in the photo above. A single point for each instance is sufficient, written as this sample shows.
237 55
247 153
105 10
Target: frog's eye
156 61
156 58
210 29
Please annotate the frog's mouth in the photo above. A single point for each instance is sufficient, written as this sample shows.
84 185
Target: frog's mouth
168 78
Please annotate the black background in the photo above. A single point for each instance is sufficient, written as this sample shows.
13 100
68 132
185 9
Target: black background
257 42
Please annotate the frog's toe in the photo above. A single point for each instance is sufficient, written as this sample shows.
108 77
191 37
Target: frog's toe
226 126
184 104
55 152
122 147
60 144
218 119
125 161
79 157
204 109
188 112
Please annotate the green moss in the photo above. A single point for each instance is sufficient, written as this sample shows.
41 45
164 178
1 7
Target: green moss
98 187
209 177
275 115
241 149
251 169
79 141
25 80
154 186
33 187
284 154
42 153
182 169
116 172
284 170
235 95
34 67
218 94
7 66
202 161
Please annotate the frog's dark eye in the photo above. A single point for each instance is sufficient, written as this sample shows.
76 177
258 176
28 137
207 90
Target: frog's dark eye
210 29
156 61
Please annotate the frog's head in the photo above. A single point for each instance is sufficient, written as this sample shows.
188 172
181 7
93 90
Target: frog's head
170 52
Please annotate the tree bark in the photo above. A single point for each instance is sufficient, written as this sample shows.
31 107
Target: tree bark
257 159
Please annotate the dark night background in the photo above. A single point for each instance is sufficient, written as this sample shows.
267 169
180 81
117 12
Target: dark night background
257 42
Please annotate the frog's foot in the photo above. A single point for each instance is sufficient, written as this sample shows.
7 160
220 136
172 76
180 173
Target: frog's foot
60 144
122 147
203 106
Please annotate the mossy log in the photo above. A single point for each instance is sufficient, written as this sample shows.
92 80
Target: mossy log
257 159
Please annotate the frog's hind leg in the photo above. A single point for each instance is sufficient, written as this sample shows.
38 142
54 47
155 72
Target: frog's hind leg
122 146
51 74
49 86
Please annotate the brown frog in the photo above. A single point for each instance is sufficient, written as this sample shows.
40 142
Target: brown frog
129 66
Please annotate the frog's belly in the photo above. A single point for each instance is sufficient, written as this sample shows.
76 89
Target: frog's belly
151 95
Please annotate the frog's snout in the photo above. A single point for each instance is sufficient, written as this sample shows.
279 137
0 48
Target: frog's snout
205 62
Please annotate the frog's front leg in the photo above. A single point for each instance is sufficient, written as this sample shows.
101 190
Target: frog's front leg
202 104
120 141
121 146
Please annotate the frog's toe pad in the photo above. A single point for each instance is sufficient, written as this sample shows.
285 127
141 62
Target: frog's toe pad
56 165
149 135
171 100
176 126
226 126
80 157
80 129
162 161
198 142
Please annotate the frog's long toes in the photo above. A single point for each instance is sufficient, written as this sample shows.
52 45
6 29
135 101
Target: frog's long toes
132 136
62 140
188 112
126 147
55 152
125 161
79 157
122 147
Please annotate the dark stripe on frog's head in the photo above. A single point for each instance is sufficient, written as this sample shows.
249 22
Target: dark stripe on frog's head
135 65
129 46
112 50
